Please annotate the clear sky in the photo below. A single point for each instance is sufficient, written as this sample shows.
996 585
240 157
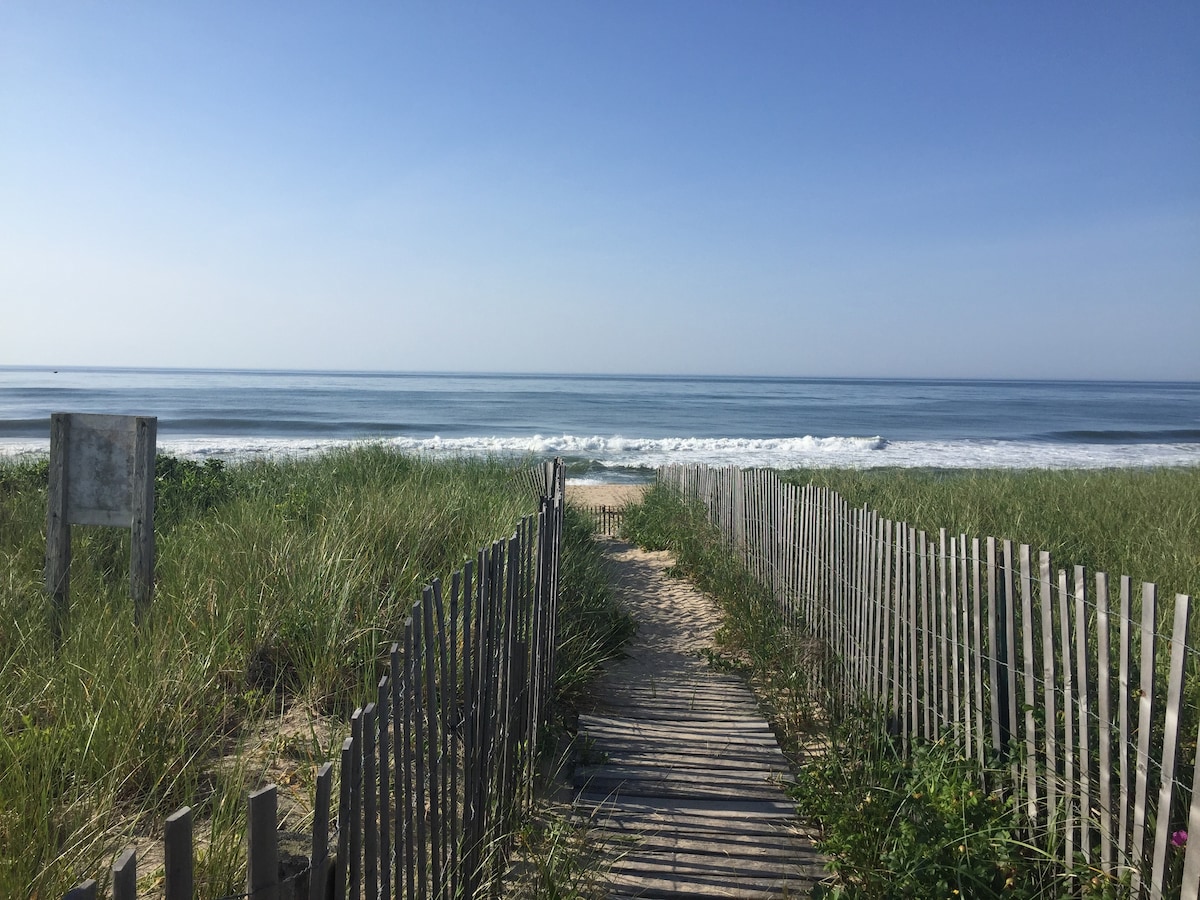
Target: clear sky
685 186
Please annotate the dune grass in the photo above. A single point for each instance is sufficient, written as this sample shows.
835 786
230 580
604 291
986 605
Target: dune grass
1144 523
279 585
919 825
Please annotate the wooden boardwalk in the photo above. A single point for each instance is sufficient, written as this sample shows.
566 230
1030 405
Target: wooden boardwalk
679 776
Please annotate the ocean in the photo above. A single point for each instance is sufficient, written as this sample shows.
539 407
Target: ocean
613 428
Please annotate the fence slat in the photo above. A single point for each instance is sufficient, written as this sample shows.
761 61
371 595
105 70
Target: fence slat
1104 711
178 861
1149 644
1170 745
319 856
1084 709
124 876
262 840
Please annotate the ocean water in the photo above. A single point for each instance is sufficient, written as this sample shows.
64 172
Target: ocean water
615 428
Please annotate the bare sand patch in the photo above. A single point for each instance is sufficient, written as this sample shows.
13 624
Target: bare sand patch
604 494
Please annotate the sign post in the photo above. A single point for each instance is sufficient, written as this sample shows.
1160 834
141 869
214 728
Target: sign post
101 473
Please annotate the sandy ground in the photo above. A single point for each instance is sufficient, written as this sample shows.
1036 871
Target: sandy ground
604 494
675 621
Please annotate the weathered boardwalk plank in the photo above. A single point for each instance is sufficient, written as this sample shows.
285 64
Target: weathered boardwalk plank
680 779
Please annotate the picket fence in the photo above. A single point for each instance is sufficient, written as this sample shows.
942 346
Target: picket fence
605 519
438 769
1056 677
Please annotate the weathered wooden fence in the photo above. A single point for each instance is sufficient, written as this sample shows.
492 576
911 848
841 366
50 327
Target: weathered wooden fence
1075 685
439 767
605 519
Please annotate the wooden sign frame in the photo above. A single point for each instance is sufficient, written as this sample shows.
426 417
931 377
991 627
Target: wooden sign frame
101 473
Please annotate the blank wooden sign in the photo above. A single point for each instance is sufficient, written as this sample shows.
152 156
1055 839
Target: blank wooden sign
101 473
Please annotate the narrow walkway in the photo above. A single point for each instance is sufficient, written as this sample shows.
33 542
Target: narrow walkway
679 775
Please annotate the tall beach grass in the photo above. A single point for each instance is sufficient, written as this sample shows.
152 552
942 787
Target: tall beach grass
279 587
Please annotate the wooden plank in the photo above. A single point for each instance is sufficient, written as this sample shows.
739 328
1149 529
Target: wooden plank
946 633
960 718
319 855
927 663
383 701
683 758
650 884
1149 649
345 788
1170 745
370 805
124 876
354 886
977 625
1049 687
178 861
432 741
141 545
1084 710
736 808
1027 633
766 843
1191 859
1011 661
1068 689
995 673
58 526
396 688
1104 714
1125 801
262 845
85 890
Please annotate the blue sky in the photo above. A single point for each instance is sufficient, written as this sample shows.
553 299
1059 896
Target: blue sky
792 188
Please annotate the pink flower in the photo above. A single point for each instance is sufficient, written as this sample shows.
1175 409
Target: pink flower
1179 839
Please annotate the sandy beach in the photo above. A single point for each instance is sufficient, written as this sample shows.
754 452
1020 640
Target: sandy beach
604 494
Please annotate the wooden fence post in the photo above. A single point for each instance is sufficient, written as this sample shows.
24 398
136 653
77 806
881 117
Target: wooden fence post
178 862
124 875
262 845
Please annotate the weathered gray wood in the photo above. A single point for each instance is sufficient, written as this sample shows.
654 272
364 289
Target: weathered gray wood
1028 683
1049 686
141 545
1084 710
1170 745
1011 661
1105 717
400 737
926 663
124 876
85 890
345 789
383 700
962 731
1125 802
977 626
432 742
370 805
262 845
995 629
319 854
1149 651
1068 688
949 713
357 789
58 526
178 861
1191 860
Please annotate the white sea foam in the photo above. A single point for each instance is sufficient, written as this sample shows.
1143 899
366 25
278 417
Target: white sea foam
623 453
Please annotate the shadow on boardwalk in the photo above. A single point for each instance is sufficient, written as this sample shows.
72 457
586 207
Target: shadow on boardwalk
679 777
